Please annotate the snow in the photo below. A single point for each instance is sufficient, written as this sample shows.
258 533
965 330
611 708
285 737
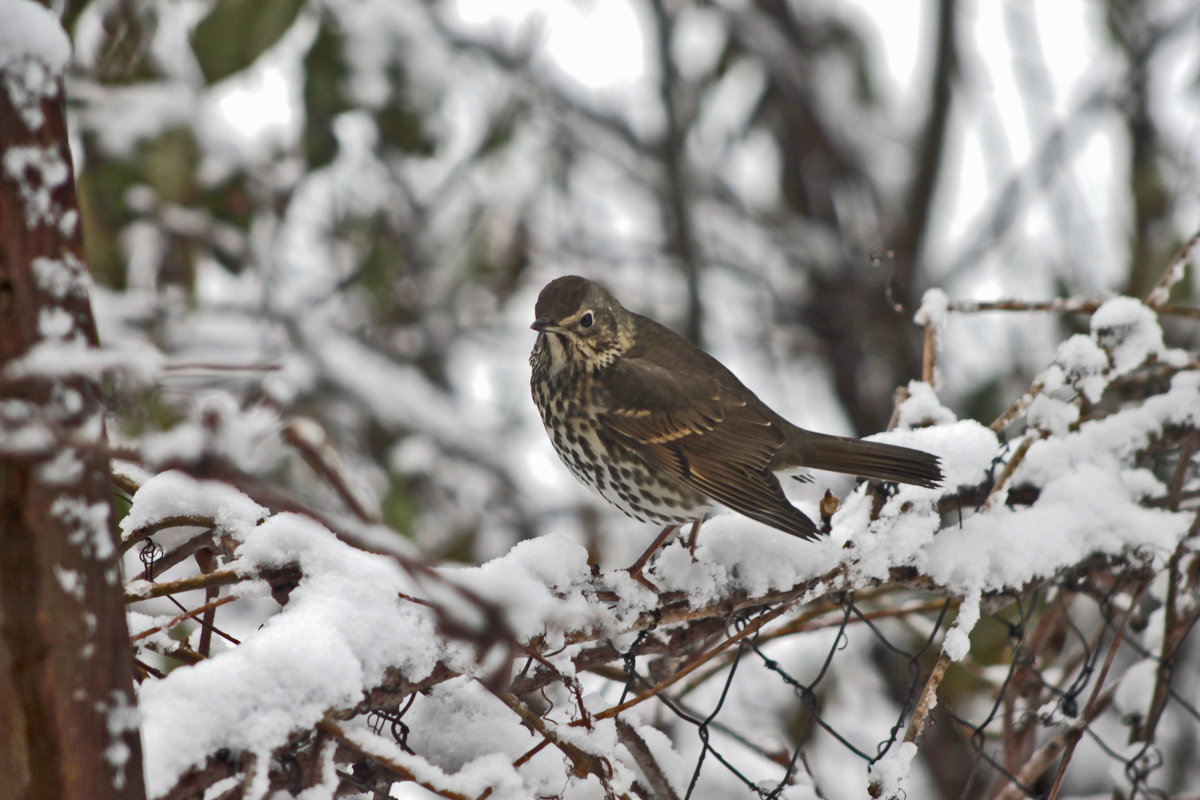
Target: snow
889 772
1128 331
935 306
37 172
29 30
1051 415
70 581
1079 362
343 626
131 115
542 585
122 717
675 768
1136 689
957 642
73 356
34 52
350 619
63 469
87 526
63 279
173 493
922 407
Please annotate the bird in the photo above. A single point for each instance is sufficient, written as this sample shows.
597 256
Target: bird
665 432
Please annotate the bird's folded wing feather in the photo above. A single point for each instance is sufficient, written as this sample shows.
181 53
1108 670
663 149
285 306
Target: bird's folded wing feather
702 433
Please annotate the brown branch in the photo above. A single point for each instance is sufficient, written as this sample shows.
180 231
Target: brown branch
1018 406
175 521
1076 733
222 577
158 564
1049 752
1062 745
320 456
1060 306
928 352
930 149
1173 274
675 191
928 697
332 728
1176 625
582 763
184 616
660 786
1009 468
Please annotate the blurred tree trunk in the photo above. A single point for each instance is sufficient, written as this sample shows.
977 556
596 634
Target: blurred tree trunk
68 727
871 346
1151 240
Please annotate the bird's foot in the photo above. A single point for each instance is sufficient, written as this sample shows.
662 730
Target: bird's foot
635 569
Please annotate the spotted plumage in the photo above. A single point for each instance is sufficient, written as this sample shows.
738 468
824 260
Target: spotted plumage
664 431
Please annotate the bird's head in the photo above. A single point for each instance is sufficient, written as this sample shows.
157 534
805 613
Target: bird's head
584 327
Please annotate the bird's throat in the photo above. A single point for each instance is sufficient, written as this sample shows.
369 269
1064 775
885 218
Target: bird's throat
557 357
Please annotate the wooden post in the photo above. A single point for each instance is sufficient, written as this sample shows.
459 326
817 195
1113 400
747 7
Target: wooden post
68 724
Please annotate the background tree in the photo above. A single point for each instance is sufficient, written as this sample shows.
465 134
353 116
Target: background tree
68 716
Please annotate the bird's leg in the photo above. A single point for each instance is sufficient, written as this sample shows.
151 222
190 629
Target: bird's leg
635 571
692 537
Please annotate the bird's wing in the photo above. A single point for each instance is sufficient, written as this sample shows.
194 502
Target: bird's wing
703 432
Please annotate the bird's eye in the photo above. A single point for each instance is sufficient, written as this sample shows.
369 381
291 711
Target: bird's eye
586 320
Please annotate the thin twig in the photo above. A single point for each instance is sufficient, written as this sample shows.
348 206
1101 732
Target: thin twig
219 578
1076 732
184 616
310 441
1018 406
928 352
1009 468
1173 274
928 698
174 521
335 730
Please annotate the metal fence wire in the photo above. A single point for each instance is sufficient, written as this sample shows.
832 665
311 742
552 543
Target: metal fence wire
1049 668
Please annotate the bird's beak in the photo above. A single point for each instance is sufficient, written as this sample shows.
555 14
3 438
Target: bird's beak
541 324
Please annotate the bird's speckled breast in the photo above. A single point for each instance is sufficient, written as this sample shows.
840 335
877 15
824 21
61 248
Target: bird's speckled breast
597 459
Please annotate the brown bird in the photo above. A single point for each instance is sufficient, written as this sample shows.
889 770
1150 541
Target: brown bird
663 431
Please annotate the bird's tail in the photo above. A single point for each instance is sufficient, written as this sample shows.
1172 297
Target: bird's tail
887 462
